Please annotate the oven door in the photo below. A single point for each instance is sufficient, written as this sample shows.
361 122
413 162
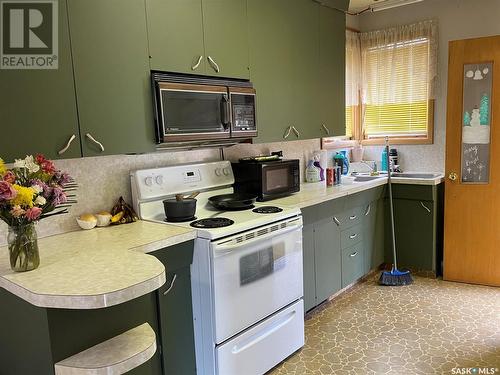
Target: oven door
280 179
193 112
255 274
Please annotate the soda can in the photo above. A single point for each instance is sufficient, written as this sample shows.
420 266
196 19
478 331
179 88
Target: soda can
329 177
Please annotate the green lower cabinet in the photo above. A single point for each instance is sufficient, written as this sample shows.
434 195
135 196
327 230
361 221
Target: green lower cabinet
327 259
38 107
352 263
373 235
418 218
112 77
309 267
175 311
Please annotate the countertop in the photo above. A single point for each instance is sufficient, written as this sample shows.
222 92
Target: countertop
90 269
315 193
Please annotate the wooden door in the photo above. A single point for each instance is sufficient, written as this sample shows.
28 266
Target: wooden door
472 210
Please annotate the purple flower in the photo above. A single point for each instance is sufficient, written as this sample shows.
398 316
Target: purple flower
58 196
62 178
7 192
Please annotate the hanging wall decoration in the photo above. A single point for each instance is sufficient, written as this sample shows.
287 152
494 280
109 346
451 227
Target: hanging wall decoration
478 81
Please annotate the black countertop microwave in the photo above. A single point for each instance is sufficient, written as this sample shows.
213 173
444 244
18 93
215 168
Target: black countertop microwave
196 108
267 180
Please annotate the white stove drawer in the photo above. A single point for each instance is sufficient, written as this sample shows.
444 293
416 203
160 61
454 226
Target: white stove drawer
263 346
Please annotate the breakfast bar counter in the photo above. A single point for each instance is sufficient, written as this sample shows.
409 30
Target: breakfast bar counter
91 269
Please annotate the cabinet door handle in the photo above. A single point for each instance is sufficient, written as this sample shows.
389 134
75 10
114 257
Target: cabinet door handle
353 217
70 140
368 210
213 64
336 221
353 236
171 285
89 136
353 254
297 133
425 207
287 132
325 129
195 66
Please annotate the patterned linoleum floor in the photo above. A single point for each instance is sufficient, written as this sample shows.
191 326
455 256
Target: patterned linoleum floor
430 327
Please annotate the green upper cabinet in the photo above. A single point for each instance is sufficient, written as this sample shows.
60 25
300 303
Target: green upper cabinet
206 37
226 37
175 30
297 62
38 107
331 87
112 78
305 64
271 43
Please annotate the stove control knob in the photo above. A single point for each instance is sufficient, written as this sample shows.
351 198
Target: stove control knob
218 171
159 180
226 171
148 181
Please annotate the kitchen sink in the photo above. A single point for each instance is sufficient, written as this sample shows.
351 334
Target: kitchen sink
366 178
429 176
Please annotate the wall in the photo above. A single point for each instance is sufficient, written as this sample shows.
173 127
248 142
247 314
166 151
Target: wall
102 180
458 19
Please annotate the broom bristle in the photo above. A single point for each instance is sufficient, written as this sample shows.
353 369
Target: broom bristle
395 278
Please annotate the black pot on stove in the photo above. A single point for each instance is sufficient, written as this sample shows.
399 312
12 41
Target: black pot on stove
179 210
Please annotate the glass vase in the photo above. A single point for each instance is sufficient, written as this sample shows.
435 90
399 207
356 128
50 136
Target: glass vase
22 241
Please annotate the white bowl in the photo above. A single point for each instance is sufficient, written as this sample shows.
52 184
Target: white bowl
86 224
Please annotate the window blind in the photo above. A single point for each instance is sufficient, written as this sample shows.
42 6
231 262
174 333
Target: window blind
396 77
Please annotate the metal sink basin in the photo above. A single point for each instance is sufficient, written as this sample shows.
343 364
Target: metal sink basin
365 178
429 176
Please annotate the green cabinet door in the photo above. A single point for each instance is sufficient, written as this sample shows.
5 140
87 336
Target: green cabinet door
415 228
225 37
373 235
111 68
175 31
271 42
331 85
38 108
309 267
304 16
328 259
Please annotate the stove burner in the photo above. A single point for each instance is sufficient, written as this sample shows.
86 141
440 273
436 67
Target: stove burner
213 222
180 220
267 210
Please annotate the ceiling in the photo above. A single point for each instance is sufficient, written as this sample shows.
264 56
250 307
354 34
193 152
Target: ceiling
358 5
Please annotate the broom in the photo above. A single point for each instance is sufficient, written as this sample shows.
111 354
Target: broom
394 277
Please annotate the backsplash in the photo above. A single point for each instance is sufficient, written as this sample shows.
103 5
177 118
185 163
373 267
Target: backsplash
102 180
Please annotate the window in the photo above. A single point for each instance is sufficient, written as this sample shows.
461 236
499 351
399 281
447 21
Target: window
395 70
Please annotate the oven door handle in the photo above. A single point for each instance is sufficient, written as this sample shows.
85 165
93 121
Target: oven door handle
229 245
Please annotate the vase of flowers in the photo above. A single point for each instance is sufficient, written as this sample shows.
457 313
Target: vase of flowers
31 190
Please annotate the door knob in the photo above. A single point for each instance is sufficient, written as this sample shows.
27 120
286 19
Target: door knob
453 176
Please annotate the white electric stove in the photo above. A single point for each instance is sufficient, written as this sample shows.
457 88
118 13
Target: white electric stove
246 277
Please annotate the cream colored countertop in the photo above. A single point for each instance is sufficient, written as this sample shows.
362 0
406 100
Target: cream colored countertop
315 193
96 268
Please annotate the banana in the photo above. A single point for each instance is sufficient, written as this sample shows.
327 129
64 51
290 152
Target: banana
123 213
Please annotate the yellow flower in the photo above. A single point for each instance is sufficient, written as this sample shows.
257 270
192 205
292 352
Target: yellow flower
24 197
2 167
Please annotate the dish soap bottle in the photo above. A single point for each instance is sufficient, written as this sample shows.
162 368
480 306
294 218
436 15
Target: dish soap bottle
312 172
384 160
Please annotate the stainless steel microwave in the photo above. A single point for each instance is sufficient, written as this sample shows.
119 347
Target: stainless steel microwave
193 108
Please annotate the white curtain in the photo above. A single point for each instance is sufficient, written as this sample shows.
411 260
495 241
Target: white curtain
387 55
353 68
